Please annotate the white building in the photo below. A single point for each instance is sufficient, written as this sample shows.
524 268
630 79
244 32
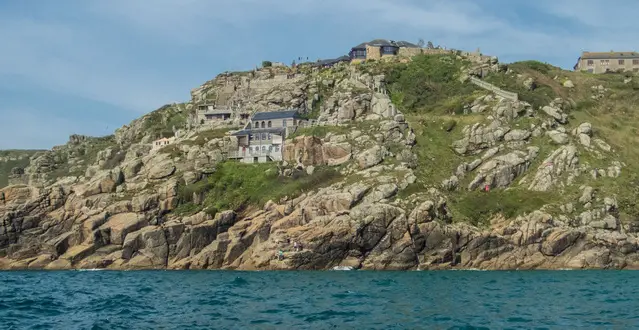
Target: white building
262 139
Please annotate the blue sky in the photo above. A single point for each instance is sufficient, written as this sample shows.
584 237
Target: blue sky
90 66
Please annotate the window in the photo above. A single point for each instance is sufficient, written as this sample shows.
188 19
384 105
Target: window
591 62
358 53
263 125
256 124
284 122
635 62
251 137
269 124
270 136
263 136
277 148
388 50
263 148
622 62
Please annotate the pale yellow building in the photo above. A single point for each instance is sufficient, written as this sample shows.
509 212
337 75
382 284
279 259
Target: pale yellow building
602 62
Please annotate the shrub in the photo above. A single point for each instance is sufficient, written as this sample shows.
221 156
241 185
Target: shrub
267 64
534 65
449 125
427 83
237 186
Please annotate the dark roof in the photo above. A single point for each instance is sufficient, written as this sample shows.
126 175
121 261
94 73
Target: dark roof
384 42
332 61
275 115
406 44
609 55
279 130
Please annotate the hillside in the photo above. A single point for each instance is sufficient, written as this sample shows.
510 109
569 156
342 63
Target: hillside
410 165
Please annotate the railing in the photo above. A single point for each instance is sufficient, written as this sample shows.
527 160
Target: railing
488 86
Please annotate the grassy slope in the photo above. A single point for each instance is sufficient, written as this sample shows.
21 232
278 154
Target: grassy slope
431 98
6 166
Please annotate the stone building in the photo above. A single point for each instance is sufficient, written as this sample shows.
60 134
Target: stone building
209 112
262 139
382 48
602 62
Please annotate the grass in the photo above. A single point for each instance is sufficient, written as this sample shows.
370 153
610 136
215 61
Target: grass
160 123
22 161
319 131
478 207
238 186
428 84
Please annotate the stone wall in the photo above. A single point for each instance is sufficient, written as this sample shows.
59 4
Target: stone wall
373 53
505 94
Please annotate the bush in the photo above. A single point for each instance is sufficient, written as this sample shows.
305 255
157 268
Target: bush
267 64
534 65
449 125
237 186
427 83
478 207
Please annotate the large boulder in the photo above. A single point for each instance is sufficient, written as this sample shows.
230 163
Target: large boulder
161 170
371 157
118 226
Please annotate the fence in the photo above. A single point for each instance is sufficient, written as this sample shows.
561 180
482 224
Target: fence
488 86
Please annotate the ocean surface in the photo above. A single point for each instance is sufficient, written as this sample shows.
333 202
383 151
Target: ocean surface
319 300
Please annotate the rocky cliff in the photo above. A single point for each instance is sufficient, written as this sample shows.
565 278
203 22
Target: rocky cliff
410 166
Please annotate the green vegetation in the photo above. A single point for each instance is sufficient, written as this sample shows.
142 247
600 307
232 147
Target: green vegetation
478 207
429 84
160 123
22 159
267 64
319 131
238 186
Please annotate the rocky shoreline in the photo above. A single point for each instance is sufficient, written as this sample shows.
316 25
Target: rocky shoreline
115 205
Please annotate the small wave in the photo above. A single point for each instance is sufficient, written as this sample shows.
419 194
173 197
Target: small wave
343 268
90 270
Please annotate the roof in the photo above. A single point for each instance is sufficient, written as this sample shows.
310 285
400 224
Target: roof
332 60
275 115
278 130
384 42
217 112
608 55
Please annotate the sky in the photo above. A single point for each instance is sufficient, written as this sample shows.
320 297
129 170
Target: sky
91 66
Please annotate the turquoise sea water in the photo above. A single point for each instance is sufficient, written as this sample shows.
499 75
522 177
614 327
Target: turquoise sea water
319 300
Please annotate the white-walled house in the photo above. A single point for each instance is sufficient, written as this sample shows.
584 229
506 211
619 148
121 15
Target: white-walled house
159 143
262 139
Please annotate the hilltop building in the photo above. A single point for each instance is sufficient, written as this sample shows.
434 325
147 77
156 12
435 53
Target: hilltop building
382 48
262 139
602 62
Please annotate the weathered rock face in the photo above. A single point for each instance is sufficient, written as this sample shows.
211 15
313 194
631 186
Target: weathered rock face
117 210
308 150
562 160
501 171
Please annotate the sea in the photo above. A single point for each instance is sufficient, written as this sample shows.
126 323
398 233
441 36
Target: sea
319 300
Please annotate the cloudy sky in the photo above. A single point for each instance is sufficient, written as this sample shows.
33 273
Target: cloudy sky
90 66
